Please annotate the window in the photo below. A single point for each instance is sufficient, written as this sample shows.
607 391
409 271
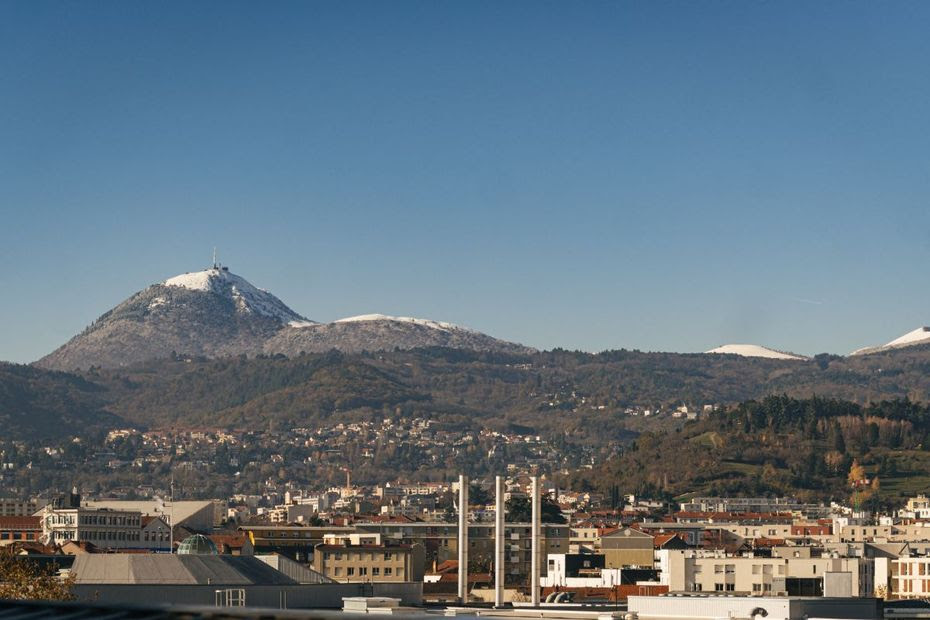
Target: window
375 571
718 587
388 571
362 570
388 556
731 587
337 571
757 587
350 571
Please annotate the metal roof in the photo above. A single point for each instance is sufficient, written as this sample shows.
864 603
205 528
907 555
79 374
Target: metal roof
123 568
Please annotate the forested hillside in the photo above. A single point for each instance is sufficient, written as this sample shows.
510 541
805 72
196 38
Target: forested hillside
39 404
817 449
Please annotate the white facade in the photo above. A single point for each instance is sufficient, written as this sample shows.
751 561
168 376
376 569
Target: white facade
556 575
115 529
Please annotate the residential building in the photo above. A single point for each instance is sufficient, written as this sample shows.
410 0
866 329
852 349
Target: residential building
368 562
12 507
19 528
114 529
627 547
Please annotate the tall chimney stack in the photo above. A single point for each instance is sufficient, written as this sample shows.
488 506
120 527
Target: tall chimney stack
534 556
463 539
499 570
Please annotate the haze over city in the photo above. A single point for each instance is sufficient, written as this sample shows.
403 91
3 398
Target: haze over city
658 176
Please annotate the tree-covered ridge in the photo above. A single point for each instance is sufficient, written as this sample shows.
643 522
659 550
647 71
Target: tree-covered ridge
38 404
782 446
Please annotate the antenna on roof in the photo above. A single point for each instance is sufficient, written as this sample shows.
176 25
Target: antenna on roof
215 264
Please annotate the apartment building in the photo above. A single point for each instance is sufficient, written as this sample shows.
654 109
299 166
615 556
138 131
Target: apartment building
910 578
19 528
12 507
114 529
368 562
692 571
627 547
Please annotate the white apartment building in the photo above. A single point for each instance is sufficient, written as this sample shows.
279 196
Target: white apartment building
695 571
115 529
910 578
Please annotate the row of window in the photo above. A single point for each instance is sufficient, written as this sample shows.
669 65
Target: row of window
95 535
336 555
109 520
362 571
907 568
17 536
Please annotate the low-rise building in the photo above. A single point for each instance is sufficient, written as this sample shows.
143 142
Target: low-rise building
19 528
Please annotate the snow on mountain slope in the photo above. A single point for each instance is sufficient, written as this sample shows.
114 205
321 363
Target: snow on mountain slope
404 319
247 297
754 350
379 332
918 336
921 335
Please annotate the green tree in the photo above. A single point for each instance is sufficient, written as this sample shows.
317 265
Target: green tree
519 510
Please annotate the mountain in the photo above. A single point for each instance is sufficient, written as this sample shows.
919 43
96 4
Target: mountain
211 313
215 313
41 404
377 332
755 350
921 335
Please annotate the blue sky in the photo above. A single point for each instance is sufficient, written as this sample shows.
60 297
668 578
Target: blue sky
590 175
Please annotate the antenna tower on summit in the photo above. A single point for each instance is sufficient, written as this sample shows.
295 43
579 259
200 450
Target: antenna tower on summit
215 264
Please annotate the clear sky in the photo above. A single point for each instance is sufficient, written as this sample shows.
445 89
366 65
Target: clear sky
590 175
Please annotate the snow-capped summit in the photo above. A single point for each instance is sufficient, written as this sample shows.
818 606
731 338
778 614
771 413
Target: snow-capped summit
755 350
248 298
921 335
211 313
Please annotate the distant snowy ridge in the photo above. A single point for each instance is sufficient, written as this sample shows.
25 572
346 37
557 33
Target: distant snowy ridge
755 350
921 335
248 298
405 319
